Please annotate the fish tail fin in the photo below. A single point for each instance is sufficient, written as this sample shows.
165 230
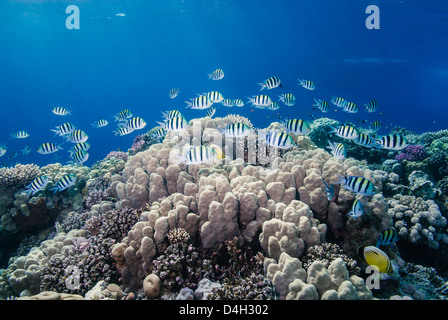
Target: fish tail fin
189 104
341 179
263 86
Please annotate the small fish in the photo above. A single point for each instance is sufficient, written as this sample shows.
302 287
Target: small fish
297 126
218 74
159 134
375 257
78 147
171 114
36 185
307 84
175 124
329 190
338 101
227 103
365 140
215 96
357 209
273 106
122 131
77 136
288 99
350 107
392 142
337 150
277 139
2 151
195 155
210 112
64 183
371 106
136 123
237 130
100 123
20 135
238 103
358 185
26 150
123 115
48 147
174 93
376 125
12 155
387 237
60 111
260 100
199 103
346 132
271 83
321 105
64 129
79 157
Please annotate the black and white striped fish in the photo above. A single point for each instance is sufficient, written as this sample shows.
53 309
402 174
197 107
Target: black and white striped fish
48 147
261 100
64 183
288 99
197 155
227 102
36 185
64 129
136 123
358 185
392 142
338 101
79 157
60 111
337 150
214 96
350 107
174 93
79 146
371 106
365 140
199 103
237 130
77 136
238 103
171 114
346 132
124 130
277 139
218 74
273 106
307 84
160 133
323 106
210 112
123 115
174 124
22 134
297 126
100 123
272 82
376 125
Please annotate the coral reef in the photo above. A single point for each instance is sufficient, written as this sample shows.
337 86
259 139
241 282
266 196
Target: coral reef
18 176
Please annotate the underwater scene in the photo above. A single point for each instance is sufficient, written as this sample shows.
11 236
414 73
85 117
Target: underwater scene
223 150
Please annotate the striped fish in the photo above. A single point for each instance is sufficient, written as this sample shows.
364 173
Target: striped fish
78 147
337 150
288 99
387 237
261 100
350 107
297 126
64 129
214 96
218 74
171 114
376 125
375 257
60 111
238 103
338 101
329 190
307 84
160 133
77 136
237 130
365 140
357 209
273 106
323 106
278 139
64 183
227 103
210 112
199 103
175 124
20 135
200 154
122 131
358 185
174 93
2 151
272 82
392 142
371 106
80 157
100 123
48 147
36 185
346 132
136 123
123 115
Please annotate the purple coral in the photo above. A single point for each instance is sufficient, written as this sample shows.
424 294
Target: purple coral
413 152
117 154
137 144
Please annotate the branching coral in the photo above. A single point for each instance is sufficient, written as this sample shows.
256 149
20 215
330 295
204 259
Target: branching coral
18 176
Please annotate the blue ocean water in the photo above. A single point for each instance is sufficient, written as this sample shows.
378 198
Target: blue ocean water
129 54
